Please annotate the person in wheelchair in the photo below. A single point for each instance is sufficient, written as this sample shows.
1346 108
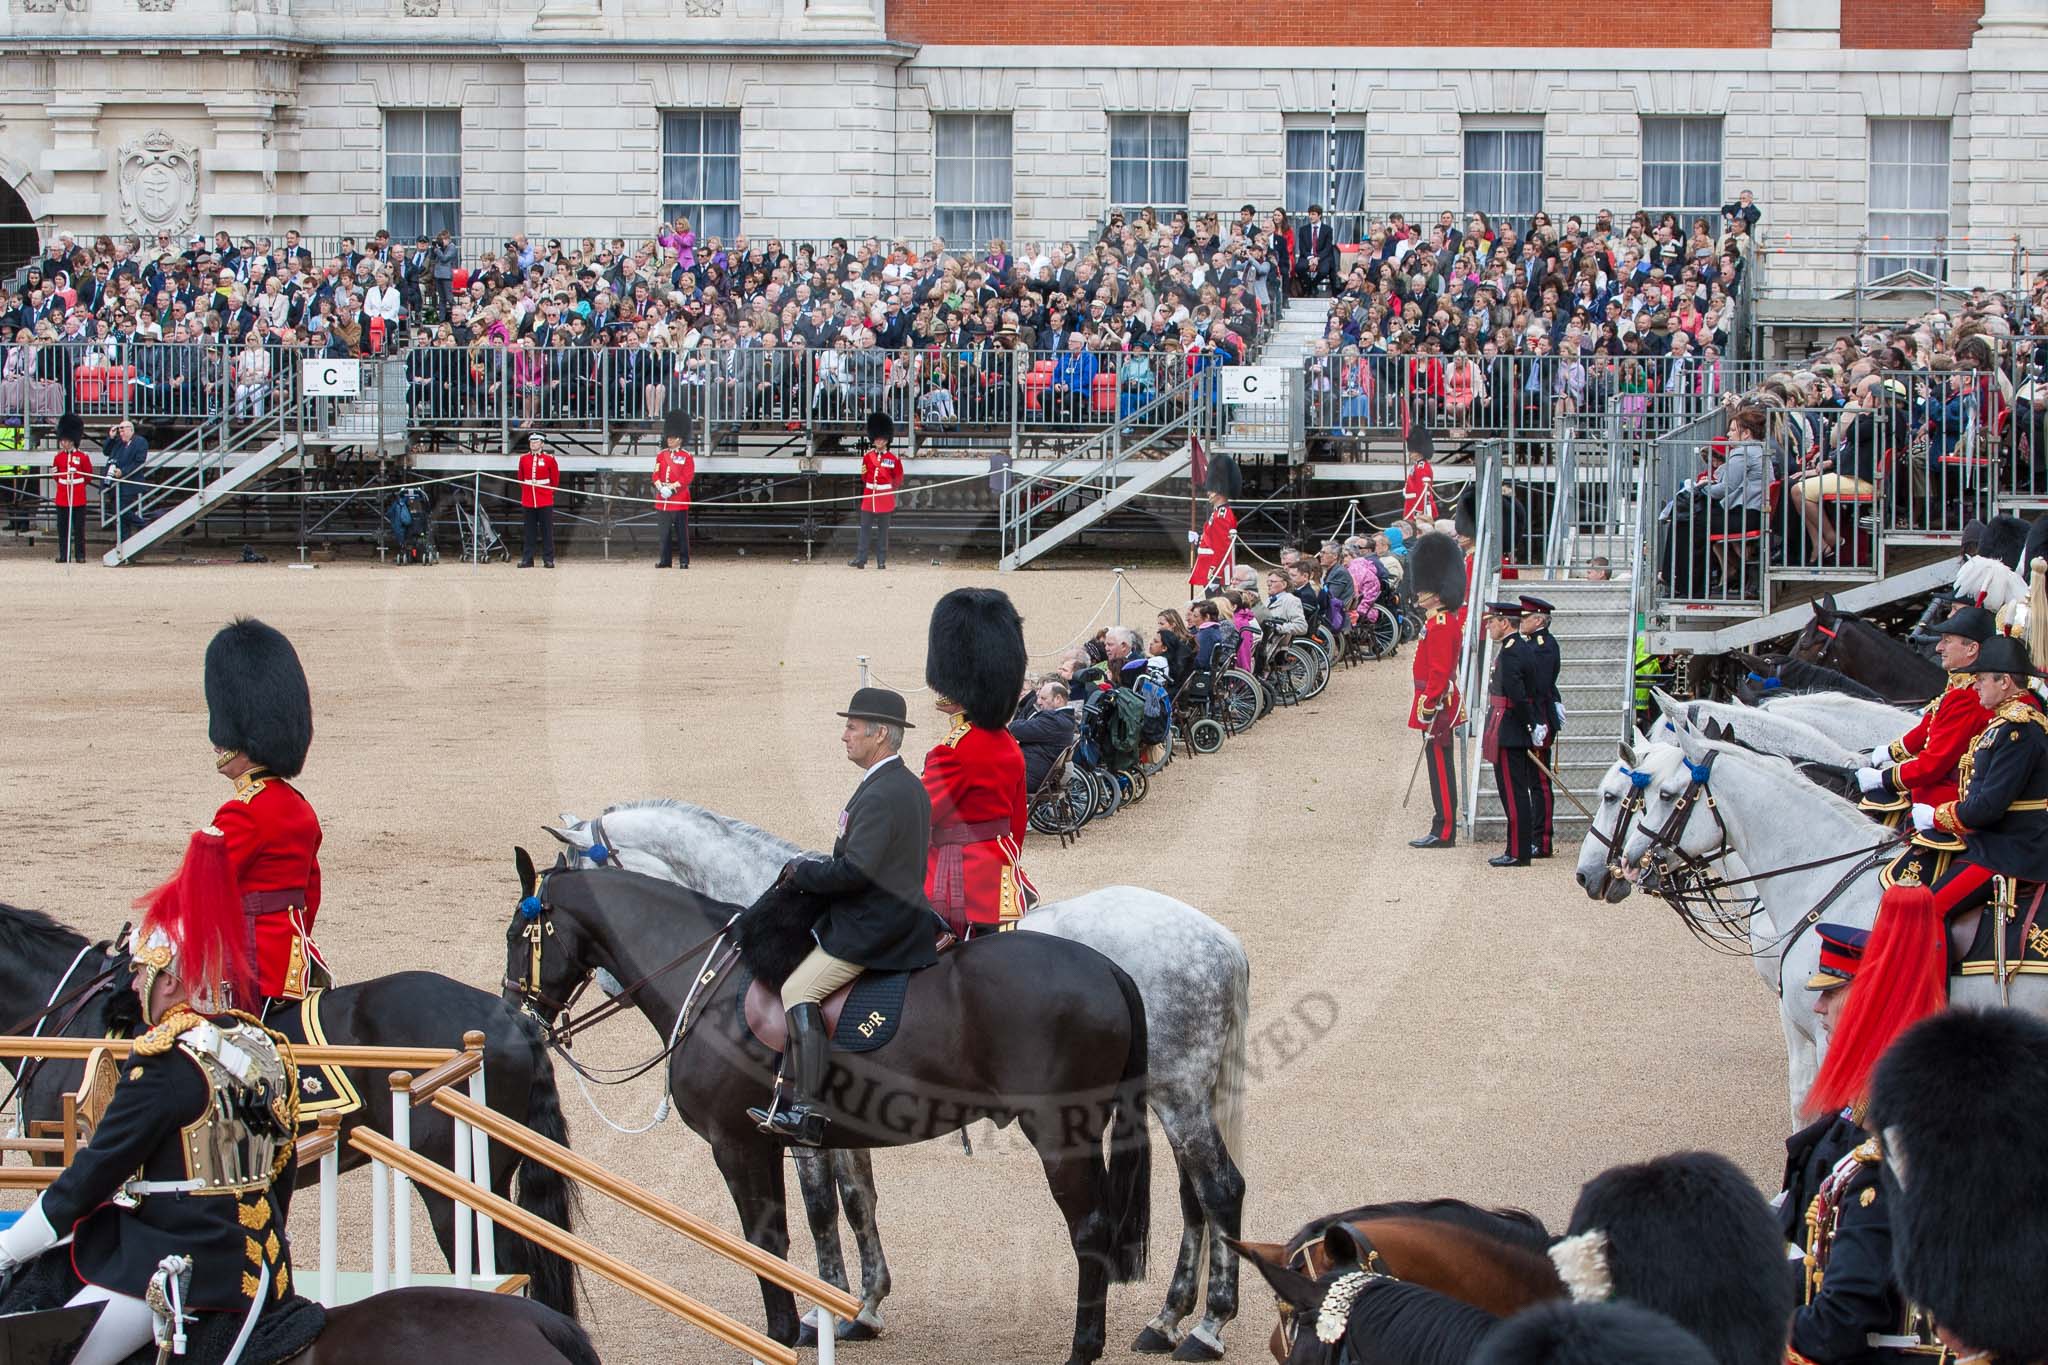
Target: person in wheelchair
1046 732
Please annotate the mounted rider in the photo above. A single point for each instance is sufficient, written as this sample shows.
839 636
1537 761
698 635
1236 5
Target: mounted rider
261 724
2000 815
202 1124
1919 767
877 918
1437 573
974 775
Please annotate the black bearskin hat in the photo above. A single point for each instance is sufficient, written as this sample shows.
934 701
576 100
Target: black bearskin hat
1225 477
1436 564
257 700
1464 515
1421 442
2037 547
70 429
975 654
1590 1334
2004 539
1960 1102
675 423
880 426
1688 1236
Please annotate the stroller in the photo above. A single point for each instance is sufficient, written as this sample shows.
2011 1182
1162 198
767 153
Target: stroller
412 529
481 542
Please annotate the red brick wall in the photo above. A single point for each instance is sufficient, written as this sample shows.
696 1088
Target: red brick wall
1362 23
1910 23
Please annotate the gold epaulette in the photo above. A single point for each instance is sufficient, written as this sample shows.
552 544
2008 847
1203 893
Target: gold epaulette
1869 1153
2020 713
249 784
165 1035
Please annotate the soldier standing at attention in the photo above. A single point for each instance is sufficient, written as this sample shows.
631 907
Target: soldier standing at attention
1436 569
539 477
1546 720
1506 740
881 475
71 471
674 468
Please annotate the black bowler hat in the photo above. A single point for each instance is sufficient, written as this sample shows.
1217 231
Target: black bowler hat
1972 623
2004 654
878 704
1538 604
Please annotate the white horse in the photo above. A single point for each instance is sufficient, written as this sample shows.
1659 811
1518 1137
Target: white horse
1191 972
1768 732
1853 722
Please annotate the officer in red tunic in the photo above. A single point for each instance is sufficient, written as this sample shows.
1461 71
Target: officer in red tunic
674 468
71 472
1212 566
1919 768
261 724
974 775
881 475
1437 569
539 477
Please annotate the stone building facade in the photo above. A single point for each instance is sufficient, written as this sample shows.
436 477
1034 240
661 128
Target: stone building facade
813 118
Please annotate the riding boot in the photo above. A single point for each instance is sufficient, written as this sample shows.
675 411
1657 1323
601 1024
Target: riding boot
796 1118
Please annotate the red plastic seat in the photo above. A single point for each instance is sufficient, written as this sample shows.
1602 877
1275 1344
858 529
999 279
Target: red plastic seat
89 383
459 282
1104 391
1035 385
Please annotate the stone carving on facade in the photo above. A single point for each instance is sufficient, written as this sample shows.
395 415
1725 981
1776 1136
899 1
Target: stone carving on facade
51 6
703 9
156 6
159 177
422 9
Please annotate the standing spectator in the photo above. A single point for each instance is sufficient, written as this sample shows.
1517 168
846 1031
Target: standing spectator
71 471
125 451
1743 210
674 468
1315 254
539 476
447 257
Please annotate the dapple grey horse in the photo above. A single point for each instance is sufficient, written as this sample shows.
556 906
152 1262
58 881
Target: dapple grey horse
1191 971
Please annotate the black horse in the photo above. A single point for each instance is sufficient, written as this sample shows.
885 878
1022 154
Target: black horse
1852 646
41 960
1028 1028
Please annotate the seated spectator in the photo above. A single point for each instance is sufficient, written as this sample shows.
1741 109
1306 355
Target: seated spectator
1175 645
1283 615
1208 623
1045 733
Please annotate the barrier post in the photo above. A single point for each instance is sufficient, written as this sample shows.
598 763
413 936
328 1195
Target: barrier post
401 1187
1118 617
476 514
330 1214
863 669
480 1168
380 1227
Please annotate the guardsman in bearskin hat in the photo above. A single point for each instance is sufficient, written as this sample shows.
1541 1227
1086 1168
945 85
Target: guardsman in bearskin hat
2001 816
1436 570
1959 1105
1919 767
1834 1211
881 476
198 1128
70 474
974 663
261 724
875 917
1546 720
1506 740
539 477
1213 565
1418 489
674 468
1688 1236
1590 1334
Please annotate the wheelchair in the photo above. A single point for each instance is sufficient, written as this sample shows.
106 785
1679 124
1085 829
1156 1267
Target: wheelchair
1065 800
1195 723
1236 698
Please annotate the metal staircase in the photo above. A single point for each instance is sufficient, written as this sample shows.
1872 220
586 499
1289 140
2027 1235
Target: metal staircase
191 491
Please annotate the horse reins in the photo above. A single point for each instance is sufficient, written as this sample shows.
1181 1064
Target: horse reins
69 1006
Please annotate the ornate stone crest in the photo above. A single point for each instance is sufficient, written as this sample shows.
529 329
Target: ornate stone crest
156 6
422 9
49 6
703 9
159 183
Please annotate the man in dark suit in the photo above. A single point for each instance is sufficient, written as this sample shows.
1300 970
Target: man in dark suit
1315 253
878 918
125 452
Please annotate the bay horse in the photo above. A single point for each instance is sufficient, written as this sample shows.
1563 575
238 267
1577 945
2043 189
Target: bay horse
1022 1028
1895 670
1191 972
1387 1321
42 960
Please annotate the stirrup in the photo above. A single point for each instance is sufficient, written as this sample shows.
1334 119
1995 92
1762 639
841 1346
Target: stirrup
799 1125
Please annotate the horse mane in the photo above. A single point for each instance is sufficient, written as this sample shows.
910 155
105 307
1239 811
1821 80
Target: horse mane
24 931
1840 808
1395 1323
1797 675
1516 1227
731 824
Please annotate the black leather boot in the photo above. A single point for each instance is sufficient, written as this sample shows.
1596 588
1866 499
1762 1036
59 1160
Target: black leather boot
796 1118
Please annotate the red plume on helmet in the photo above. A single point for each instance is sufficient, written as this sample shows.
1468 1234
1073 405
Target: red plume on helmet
1903 979
197 917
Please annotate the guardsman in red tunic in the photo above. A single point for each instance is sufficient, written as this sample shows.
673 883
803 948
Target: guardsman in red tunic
539 477
71 472
674 468
1212 566
1418 490
261 724
1919 768
881 475
975 774
1437 569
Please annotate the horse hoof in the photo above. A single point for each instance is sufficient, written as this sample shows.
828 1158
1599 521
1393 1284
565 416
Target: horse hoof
807 1338
857 1331
1153 1342
1192 1347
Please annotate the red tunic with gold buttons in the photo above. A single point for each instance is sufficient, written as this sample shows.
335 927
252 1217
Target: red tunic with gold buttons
1928 753
673 469
539 476
881 474
73 470
1435 707
975 779
1212 556
273 841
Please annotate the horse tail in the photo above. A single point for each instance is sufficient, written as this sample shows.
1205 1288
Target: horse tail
1129 1191
566 1335
1226 1098
542 1190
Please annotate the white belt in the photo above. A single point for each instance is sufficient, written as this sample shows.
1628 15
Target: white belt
881 487
136 1188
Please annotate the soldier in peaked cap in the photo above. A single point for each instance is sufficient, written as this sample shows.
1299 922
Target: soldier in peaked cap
1436 569
1212 565
974 775
674 469
1960 1104
261 723
1546 718
1506 739
70 473
881 475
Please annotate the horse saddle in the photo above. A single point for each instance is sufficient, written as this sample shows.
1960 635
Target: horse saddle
870 1007
1973 946
322 1089
39 1333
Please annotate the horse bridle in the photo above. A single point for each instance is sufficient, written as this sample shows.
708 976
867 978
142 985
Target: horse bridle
69 1006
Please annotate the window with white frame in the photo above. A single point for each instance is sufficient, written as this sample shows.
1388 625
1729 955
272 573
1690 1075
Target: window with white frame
1909 195
700 170
1504 174
1327 166
971 178
422 172
1148 161
1682 167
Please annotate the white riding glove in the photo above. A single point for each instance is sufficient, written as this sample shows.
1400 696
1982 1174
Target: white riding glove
1870 779
29 1238
1923 816
1541 734
1880 756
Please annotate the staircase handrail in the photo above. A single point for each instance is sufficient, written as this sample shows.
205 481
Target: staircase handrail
1106 451
183 482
